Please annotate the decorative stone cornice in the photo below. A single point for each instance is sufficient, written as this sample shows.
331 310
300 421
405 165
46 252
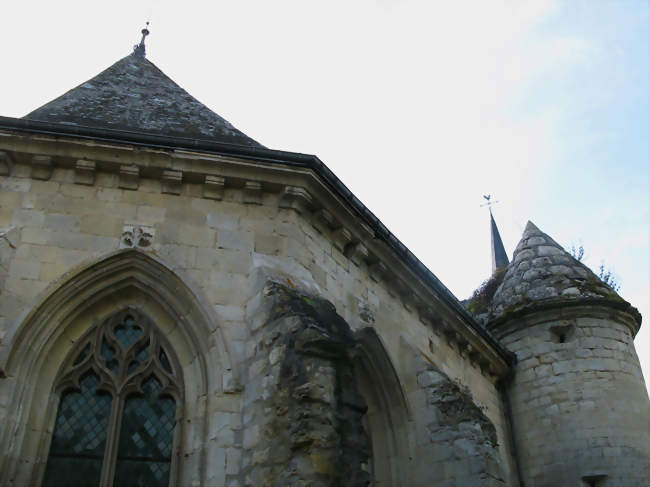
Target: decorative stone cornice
289 187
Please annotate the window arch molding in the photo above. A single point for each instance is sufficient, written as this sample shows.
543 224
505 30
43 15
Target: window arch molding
65 312
133 366
388 418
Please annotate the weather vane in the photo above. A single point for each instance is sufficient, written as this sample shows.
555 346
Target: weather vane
139 49
490 203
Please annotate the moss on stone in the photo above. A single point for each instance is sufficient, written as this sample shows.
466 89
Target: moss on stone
482 298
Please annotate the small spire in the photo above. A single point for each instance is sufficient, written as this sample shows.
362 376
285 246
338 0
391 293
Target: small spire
139 49
499 256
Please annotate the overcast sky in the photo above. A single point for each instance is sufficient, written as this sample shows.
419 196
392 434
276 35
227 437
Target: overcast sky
420 107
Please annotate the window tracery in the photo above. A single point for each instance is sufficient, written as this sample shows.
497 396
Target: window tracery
120 391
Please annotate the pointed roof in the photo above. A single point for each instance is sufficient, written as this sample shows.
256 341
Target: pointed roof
499 256
134 95
541 271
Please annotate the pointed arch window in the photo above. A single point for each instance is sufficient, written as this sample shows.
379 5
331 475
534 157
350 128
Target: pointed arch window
120 394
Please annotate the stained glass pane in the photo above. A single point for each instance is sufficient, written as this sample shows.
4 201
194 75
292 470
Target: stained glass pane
165 361
145 447
108 353
79 438
127 333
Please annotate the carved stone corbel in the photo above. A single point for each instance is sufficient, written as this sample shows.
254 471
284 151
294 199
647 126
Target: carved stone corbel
172 182
253 193
213 187
129 177
42 167
357 253
323 221
6 164
377 271
84 172
296 198
341 238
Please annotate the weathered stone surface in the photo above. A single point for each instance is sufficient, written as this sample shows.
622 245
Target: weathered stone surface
542 270
465 440
133 94
307 407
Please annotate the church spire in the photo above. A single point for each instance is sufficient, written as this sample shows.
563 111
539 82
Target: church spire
499 256
139 49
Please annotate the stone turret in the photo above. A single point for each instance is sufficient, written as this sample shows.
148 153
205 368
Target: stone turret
581 414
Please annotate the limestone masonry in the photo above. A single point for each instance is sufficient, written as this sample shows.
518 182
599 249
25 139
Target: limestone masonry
180 306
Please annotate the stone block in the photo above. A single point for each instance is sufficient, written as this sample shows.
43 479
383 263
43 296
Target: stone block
109 194
235 240
150 215
24 269
68 223
51 271
27 218
181 234
269 244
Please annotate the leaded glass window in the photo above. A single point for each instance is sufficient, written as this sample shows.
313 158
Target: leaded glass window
115 425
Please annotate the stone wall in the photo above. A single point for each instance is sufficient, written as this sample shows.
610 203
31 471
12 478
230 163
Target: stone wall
218 243
303 413
580 406
453 433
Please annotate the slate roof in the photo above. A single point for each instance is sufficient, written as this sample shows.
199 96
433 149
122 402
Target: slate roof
134 95
499 256
542 271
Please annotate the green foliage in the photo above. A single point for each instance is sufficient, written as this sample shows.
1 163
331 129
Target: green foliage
605 275
608 278
482 297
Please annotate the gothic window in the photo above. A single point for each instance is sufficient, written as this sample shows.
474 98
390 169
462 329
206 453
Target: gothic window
120 391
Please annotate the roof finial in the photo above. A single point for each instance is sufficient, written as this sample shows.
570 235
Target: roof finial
499 256
139 49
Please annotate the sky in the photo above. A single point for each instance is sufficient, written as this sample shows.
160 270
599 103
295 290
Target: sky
419 107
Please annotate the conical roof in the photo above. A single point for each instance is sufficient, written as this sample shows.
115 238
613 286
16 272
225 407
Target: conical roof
542 271
134 95
499 256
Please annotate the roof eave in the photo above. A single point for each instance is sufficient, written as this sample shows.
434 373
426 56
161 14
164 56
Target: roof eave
262 154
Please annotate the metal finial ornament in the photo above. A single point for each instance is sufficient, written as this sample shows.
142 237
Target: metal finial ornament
139 49
489 203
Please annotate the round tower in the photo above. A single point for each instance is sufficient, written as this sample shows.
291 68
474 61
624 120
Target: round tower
580 409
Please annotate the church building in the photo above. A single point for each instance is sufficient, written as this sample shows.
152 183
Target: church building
182 306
